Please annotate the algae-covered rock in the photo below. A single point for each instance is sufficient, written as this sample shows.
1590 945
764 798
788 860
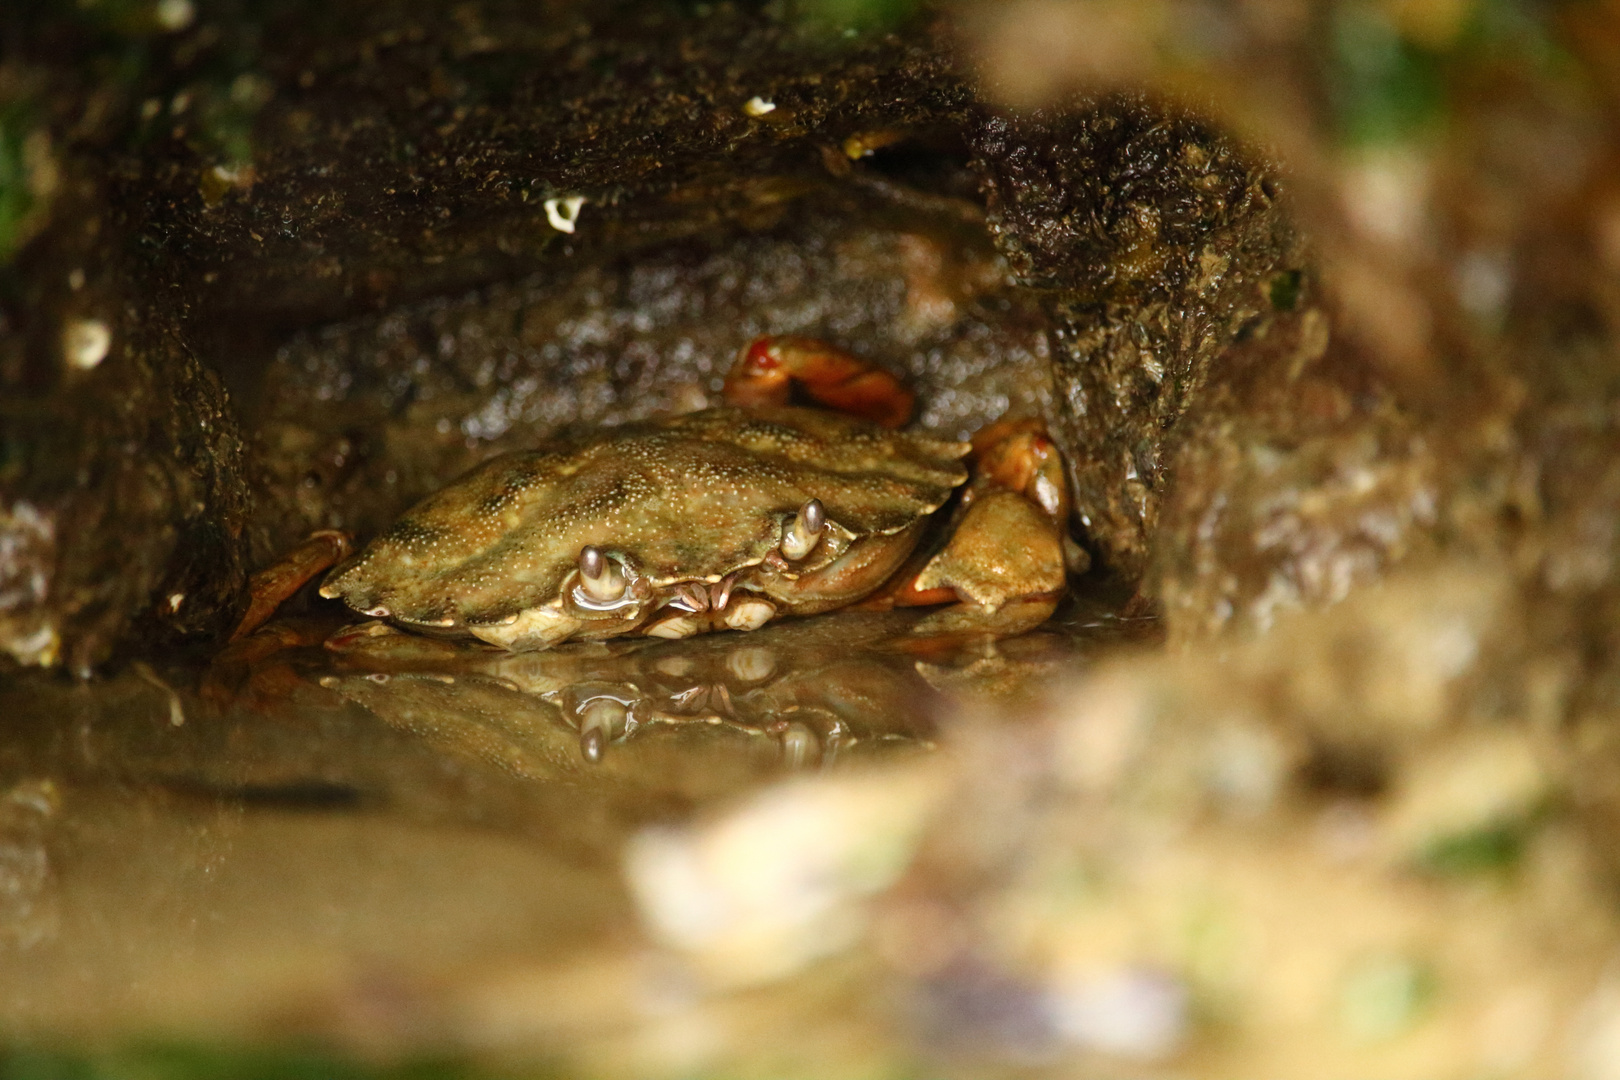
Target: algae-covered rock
1153 242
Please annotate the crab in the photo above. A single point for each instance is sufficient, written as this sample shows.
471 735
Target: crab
726 518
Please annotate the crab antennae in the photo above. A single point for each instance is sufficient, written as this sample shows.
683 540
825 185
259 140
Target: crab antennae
800 537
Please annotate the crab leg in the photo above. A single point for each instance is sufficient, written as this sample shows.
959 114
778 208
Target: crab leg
768 369
270 587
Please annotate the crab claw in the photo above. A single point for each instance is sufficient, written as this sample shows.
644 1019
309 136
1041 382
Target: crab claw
600 576
801 535
769 368
269 587
1018 503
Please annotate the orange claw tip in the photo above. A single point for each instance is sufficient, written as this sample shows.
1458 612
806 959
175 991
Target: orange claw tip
337 539
761 355
1020 456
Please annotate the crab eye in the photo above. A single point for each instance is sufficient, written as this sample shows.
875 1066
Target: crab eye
800 536
601 720
599 575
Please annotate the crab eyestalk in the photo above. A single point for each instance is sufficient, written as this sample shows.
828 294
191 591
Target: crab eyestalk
600 722
599 576
801 534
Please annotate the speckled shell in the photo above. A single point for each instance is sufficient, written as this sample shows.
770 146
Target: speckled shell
690 498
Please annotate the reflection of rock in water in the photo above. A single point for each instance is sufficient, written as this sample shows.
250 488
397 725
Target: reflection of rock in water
28 910
799 692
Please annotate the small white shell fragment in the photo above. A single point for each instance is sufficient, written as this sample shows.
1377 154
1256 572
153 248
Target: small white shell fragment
563 212
757 106
175 600
85 343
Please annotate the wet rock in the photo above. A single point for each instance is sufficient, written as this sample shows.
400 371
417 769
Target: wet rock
365 416
365 268
1175 863
123 481
1153 243
761 891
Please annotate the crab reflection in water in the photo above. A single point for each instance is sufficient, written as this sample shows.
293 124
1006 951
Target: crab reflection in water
806 693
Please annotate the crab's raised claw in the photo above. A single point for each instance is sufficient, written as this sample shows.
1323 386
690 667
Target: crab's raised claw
1005 566
270 587
768 369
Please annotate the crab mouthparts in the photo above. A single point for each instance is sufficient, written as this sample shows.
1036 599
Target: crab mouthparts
696 597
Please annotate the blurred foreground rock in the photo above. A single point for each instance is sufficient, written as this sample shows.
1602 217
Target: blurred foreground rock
1375 842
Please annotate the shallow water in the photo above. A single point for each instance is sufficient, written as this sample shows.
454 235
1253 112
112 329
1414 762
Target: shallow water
315 843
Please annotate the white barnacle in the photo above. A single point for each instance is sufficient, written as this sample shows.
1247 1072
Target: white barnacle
757 106
563 212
